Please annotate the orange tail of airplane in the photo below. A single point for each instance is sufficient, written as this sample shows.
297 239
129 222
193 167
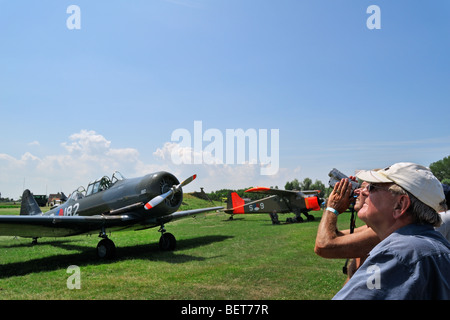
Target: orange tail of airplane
236 205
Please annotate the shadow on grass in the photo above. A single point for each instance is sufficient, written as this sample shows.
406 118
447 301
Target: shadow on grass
88 256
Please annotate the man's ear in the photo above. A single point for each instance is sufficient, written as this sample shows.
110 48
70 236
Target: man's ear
401 206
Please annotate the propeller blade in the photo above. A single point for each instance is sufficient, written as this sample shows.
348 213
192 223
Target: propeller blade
187 181
158 199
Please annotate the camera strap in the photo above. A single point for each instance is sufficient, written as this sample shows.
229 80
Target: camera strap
352 229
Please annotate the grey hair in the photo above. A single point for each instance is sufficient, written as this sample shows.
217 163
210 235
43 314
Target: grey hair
419 211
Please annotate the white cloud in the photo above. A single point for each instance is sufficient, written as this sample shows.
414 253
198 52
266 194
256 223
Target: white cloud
177 154
27 157
85 157
87 143
34 143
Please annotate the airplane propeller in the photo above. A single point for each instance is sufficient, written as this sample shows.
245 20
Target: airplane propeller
158 199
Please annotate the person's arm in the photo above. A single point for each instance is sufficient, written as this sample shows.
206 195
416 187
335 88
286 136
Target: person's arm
332 243
344 246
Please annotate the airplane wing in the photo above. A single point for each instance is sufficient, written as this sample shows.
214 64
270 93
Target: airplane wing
280 192
181 214
277 192
62 226
59 226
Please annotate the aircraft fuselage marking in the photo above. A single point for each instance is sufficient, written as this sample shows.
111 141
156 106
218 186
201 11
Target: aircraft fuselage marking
70 210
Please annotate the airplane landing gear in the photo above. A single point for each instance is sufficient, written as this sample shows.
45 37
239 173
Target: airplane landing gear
167 242
274 217
105 248
298 217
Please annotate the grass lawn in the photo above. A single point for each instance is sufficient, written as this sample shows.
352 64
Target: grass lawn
247 258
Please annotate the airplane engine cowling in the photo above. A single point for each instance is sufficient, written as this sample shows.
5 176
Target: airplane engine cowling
160 183
166 182
312 203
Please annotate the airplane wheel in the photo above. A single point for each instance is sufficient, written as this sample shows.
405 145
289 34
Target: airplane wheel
167 242
106 249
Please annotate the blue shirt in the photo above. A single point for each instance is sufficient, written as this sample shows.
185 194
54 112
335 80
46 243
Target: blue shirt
411 263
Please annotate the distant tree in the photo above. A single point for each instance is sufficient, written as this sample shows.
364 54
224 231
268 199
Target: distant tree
318 185
292 185
441 169
306 184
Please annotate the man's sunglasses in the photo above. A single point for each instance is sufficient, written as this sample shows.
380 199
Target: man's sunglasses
372 187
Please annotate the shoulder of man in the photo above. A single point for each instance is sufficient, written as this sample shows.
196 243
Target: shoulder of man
415 242
398 266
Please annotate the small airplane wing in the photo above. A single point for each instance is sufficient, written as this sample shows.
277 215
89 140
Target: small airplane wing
181 214
59 226
277 192
280 192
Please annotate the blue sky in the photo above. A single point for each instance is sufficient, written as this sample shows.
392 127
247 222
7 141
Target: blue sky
79 104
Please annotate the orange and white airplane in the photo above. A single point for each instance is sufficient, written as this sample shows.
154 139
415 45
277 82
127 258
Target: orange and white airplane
278 201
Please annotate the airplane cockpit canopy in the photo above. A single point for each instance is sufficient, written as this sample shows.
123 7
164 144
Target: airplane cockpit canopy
117 176
78 194
103 183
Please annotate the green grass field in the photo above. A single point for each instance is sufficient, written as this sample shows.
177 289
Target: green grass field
248 258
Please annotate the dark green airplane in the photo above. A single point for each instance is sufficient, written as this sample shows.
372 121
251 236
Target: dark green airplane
107 205
278 201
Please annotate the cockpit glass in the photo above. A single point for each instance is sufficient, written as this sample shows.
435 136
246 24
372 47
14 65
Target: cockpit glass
89 189
76 195
117 176
103 183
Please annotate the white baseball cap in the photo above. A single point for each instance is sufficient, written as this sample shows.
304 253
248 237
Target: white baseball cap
414 178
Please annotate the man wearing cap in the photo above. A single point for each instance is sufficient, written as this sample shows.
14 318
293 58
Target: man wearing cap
412 261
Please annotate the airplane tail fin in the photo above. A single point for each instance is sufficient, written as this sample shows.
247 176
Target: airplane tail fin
29 206
235 204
